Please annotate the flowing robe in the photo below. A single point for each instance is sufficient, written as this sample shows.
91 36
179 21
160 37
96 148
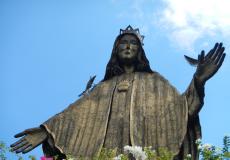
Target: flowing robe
138 109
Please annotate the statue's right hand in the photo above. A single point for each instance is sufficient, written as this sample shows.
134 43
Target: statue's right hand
31 138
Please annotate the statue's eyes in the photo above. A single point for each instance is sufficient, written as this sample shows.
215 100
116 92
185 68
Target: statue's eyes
123 42
134 42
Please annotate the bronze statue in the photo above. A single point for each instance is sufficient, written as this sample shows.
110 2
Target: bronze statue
132 105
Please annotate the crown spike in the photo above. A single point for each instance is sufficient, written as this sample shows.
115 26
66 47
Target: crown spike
129 30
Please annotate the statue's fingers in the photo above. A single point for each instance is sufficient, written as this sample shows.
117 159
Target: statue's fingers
219 48
198 58
18 146
202 56
209 53
219 55
23 148
221 60
212 51
26 132
20 134
32 129
16 143
208 61
28 149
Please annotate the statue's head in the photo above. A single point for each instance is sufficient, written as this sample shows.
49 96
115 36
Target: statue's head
127 50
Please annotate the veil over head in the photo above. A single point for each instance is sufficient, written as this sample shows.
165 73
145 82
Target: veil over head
114 67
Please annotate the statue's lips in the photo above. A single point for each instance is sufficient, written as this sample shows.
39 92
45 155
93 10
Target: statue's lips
127 52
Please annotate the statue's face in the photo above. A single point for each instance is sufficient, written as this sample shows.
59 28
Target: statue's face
128 48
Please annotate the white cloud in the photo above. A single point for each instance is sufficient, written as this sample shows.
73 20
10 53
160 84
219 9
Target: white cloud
185 22
189 20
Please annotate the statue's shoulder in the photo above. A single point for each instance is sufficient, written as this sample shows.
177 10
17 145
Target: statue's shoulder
155 76
161 80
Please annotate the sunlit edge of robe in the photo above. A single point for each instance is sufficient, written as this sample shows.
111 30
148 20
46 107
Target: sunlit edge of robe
160 120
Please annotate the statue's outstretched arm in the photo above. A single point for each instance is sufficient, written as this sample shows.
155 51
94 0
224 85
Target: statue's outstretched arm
207 66
31 138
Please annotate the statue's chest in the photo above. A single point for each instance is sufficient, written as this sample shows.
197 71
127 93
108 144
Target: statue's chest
118 131
121 100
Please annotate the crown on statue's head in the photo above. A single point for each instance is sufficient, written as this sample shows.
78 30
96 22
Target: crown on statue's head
130 30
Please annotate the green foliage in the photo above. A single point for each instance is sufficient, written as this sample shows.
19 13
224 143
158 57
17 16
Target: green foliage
226 151
32 157
5 150
210 152
124 157
151 154
107 154
164 154
2 150
206 151
226 142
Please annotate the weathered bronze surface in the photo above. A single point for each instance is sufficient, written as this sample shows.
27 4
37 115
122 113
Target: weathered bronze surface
132 105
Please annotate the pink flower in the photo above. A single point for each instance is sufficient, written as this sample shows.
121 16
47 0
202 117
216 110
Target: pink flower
46 158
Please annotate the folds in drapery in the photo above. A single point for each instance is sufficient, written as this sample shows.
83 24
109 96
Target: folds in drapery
149 113
80 129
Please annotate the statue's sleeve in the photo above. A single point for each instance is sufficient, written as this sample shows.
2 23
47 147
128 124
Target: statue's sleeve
195 100
195 97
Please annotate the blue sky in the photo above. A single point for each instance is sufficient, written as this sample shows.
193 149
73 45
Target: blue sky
49 49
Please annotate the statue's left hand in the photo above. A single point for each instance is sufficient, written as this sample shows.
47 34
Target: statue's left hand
209 64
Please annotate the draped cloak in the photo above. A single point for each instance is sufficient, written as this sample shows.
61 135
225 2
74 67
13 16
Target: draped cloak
138 109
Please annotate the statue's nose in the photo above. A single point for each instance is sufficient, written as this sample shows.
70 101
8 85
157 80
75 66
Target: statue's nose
128 45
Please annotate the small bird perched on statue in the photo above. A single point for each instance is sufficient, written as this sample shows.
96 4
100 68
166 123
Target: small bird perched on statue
191 61
88 86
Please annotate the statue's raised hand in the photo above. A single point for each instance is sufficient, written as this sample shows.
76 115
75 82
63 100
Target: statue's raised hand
209 64
31 138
